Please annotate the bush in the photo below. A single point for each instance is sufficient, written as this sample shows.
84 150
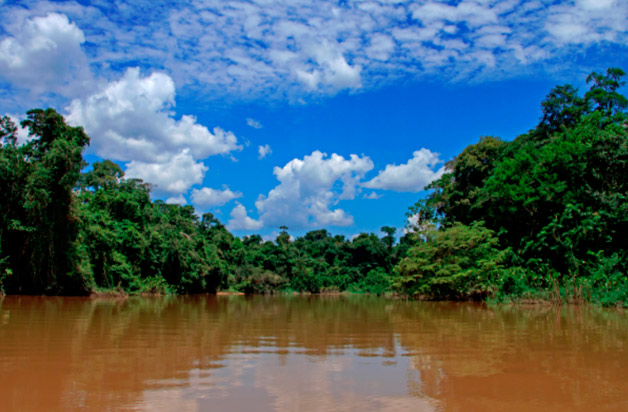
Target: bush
458 262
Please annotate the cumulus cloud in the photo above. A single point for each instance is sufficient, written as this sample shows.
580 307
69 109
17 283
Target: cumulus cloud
253 123
308 192
176 200
263 151
208 197
130 120
241 221
412 176
174 175
44 55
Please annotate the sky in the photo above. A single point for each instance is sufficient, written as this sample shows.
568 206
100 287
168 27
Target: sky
308 114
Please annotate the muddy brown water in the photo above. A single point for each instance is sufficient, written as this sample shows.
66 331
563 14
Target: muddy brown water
342 353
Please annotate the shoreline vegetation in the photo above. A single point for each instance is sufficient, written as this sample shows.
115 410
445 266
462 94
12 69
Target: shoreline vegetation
542 218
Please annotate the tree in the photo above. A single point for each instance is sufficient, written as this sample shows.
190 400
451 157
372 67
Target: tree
457 195
554 199
562 108
8 131
284 236
459 262
389 239
105 174
603 92
39 227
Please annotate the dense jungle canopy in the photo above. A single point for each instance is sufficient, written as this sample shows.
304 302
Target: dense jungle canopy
544 216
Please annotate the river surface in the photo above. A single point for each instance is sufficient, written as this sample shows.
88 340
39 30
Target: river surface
341 353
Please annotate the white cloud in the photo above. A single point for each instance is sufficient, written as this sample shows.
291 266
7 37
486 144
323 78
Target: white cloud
381 47
409 177
174 175
176 200
241 221
21 132
596 4
253 123
372 195
263 151
208 197
286 49
331 72
588 21
472 13
272 237
44 55
308 192
130 120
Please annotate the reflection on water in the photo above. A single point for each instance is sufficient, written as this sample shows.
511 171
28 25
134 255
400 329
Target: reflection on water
308 353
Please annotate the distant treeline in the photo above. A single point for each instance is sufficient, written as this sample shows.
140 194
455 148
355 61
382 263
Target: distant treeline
542 217
72 233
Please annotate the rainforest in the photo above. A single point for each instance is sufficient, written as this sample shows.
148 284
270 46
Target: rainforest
543 217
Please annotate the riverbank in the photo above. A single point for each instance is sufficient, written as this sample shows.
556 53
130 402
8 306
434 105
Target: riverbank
552 298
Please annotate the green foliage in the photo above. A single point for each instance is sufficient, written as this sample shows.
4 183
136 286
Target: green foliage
105 174
316 262
607 282
38 226
458 192
561 202
457 262
554 200
544 216
251 279
376 281
562 108
604 95
142 246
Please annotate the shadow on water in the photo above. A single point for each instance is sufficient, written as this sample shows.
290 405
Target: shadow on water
308 353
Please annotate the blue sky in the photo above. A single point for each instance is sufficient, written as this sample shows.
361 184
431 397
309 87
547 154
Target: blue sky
330 114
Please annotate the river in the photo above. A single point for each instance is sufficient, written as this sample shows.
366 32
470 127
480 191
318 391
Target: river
300 353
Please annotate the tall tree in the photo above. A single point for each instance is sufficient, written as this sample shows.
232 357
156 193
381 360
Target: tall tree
40 229
562 108
603 92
